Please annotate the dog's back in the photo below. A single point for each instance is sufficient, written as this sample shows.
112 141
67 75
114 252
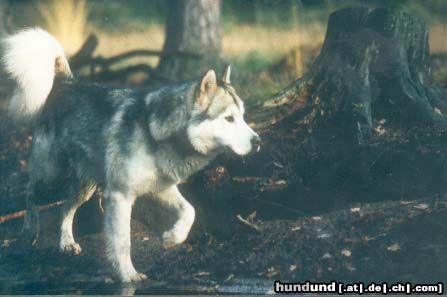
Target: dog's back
74 119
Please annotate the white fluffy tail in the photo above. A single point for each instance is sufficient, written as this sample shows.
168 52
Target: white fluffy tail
32 57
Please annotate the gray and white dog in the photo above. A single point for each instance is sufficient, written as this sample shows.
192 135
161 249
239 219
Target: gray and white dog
129 142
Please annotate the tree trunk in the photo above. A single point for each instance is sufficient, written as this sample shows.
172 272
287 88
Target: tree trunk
6 84
5 21
192 26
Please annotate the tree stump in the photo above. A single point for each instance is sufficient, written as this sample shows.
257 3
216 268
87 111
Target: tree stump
366 123
374 65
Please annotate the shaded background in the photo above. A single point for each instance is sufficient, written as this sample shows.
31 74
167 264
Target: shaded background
310 201
256 34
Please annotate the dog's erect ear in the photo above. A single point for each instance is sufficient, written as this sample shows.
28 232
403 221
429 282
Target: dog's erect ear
226 75
208 85
209 82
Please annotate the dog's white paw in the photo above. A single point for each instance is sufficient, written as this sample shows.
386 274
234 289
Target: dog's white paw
73 249
132 277
173 237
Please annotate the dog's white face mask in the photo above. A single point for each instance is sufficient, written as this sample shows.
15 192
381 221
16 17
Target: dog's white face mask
224 125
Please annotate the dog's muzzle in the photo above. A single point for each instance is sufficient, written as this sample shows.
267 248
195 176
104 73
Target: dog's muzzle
256 143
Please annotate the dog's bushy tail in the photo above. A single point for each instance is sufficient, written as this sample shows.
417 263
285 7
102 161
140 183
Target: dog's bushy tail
32 58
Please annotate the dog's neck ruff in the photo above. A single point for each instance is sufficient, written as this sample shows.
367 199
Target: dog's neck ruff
179 166
189 159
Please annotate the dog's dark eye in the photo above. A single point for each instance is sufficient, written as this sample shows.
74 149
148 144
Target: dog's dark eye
229 119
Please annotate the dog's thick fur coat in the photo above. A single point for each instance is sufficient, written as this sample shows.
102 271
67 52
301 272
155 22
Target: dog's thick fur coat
129 142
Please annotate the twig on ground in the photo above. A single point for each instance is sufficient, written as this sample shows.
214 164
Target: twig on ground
247 223
22 213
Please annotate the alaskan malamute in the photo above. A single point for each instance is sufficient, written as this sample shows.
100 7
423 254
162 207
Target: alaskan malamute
129 142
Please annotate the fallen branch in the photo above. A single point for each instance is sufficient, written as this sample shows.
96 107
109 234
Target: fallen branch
292 100
264 184
22 213
119 74
85 57
142 52
85 53
110 75
247 223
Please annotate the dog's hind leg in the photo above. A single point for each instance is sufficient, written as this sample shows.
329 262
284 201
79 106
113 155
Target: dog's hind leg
185 213
41 173
78 194
31 223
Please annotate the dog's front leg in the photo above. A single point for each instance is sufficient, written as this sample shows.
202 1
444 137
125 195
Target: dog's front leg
117 232
185 213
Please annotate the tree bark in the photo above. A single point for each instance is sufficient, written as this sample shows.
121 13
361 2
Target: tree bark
192 27
5 21
374 65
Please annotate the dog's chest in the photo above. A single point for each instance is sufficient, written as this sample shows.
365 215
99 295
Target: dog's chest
142 172
149 171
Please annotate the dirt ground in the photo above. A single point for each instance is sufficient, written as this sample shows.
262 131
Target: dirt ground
387 241
392 241
401 237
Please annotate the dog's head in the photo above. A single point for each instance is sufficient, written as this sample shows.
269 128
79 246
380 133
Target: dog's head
218 118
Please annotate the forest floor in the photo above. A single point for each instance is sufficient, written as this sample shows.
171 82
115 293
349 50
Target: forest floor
404 240
399 240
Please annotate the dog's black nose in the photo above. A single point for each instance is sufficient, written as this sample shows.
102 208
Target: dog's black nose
256 143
